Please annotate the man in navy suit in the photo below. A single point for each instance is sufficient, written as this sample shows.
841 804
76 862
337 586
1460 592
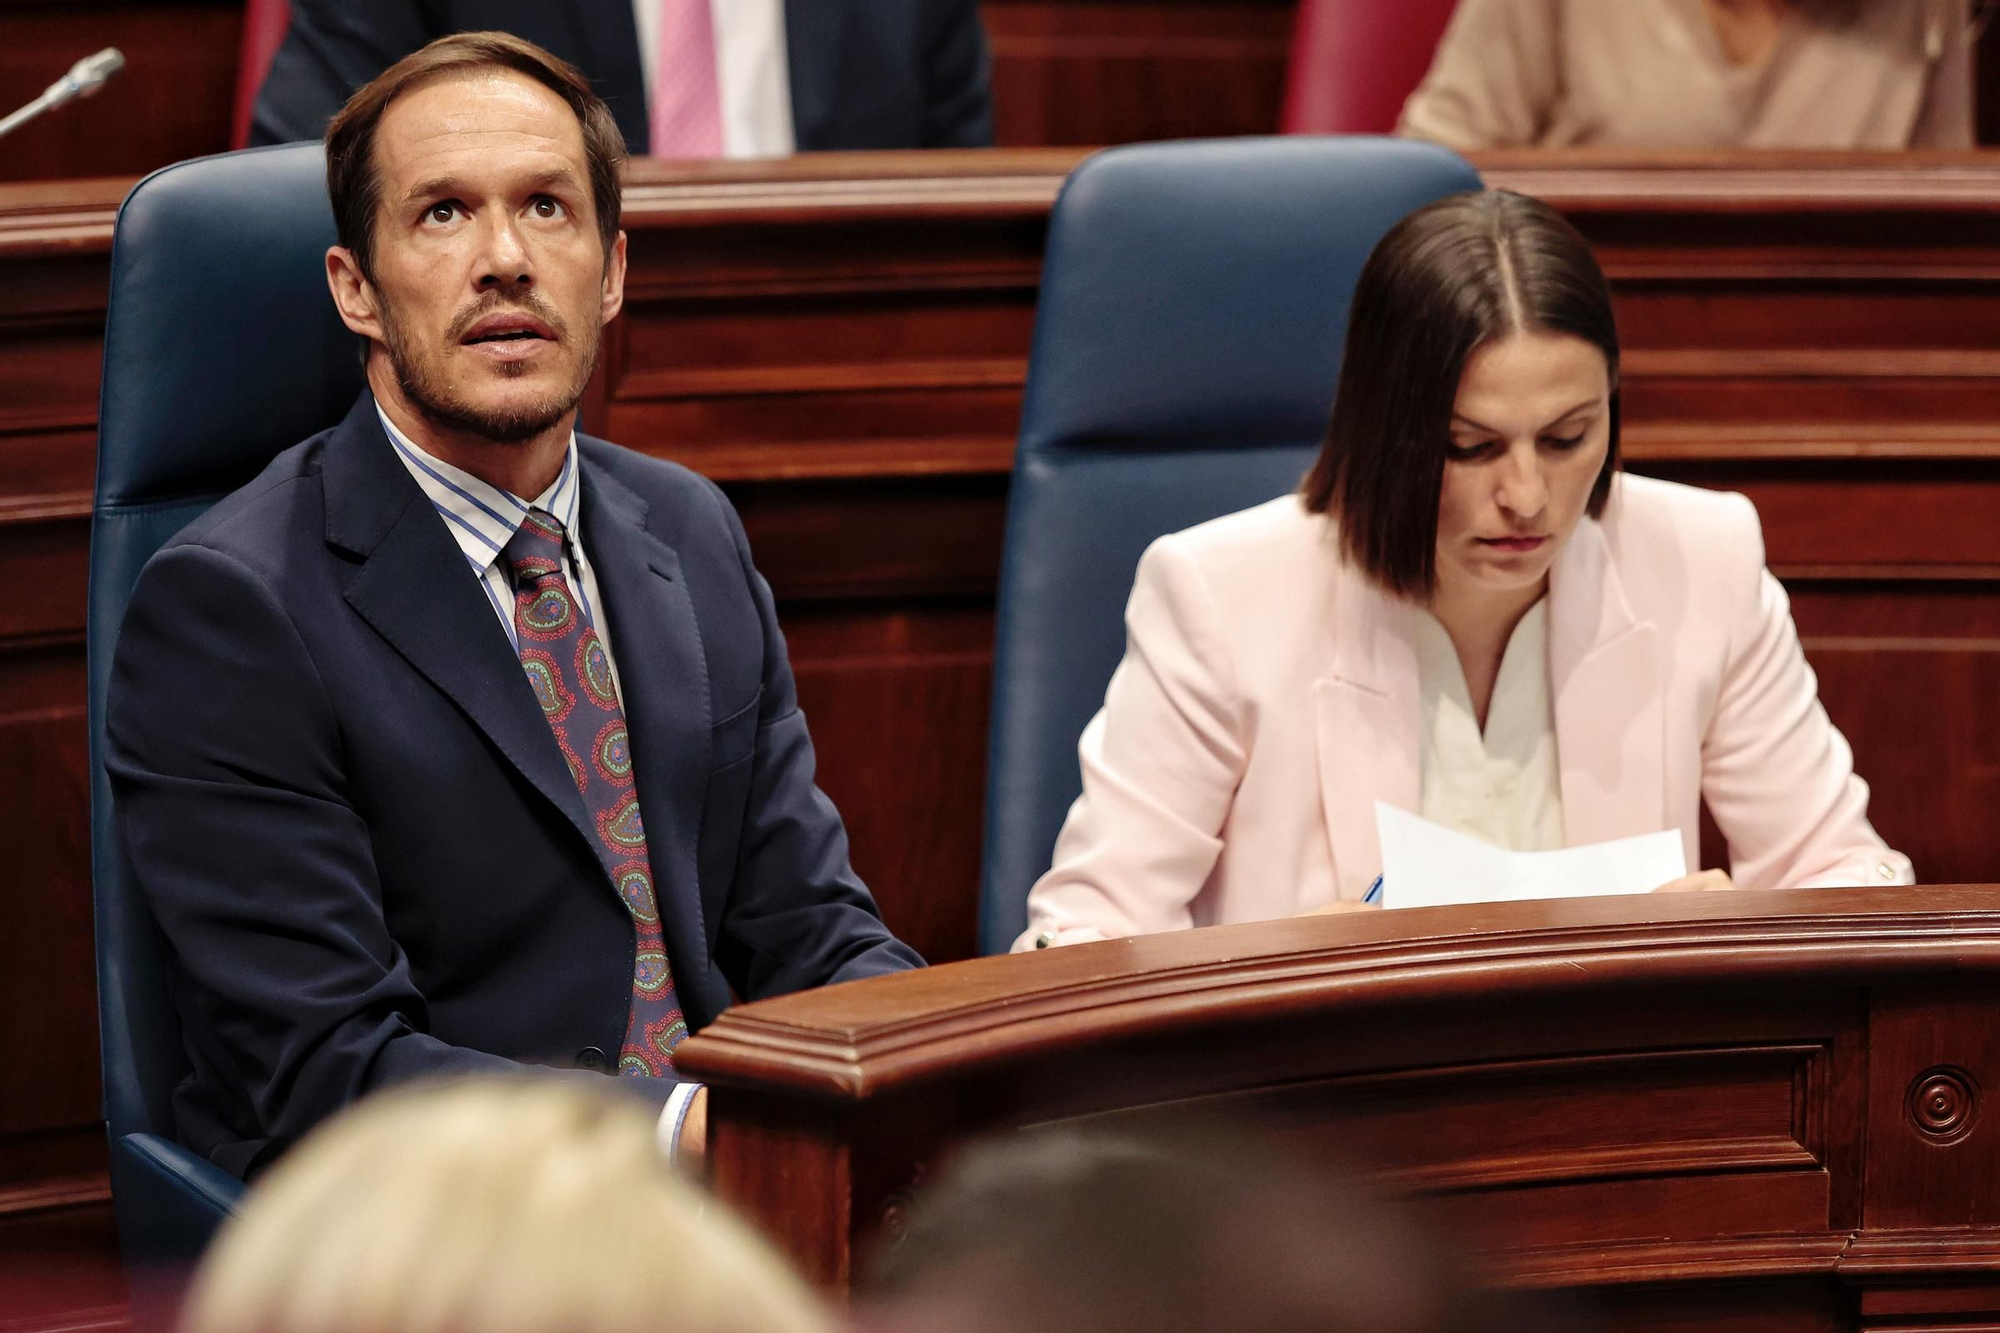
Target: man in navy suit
456 741
856 74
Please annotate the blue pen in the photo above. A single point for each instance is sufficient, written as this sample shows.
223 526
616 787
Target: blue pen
1374 893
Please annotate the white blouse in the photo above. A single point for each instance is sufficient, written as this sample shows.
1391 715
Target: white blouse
1505 786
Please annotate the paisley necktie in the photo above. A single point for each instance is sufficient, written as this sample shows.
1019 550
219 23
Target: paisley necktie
571 675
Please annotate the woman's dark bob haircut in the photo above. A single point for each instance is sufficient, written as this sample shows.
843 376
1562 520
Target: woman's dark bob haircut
1451 276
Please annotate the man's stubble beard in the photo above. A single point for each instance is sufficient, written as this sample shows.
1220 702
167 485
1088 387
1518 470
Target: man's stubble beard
426 391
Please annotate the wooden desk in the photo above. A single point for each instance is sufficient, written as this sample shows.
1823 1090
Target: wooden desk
843 341
1760 1110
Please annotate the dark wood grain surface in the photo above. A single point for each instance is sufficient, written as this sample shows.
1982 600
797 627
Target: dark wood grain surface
1760 1110
1115 71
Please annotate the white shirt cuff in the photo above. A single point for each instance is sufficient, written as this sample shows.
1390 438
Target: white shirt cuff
673 1115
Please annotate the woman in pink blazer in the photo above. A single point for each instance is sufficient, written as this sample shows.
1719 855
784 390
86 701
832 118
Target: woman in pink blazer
1468 612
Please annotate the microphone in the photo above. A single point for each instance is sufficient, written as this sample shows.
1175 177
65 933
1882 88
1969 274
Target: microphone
85 77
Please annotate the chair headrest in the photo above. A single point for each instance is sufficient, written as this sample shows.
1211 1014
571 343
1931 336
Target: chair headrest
221 349
1198 292
221 345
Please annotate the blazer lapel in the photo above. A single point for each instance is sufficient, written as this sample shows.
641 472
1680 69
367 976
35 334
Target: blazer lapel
814 30
663 675
1366 713
1605 675
414 588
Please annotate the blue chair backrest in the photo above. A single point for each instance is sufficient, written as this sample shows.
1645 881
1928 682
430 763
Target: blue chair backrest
1187 345
221 348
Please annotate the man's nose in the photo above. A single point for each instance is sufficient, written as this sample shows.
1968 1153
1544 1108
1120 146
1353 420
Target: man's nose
1524 491
504 260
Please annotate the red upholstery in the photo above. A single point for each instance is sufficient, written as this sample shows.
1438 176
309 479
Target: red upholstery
264 24
1355 62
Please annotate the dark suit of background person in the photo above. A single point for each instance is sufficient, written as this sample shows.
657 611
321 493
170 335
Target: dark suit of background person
311 696
865 74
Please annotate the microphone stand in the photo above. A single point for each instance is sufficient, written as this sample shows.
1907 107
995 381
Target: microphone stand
85 77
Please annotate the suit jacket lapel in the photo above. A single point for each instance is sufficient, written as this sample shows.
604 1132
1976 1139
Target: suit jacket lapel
813 50
415 589
1366 713
663 675
1605 675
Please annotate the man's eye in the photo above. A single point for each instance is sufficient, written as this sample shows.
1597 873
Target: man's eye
546 207
441 212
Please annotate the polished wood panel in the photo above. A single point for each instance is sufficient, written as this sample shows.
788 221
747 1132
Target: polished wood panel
1112 71
48 1003
60 1274
902 674
52 1151
1761 1111
842 342
55 261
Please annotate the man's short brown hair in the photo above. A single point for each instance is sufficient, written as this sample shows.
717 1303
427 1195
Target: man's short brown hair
355 185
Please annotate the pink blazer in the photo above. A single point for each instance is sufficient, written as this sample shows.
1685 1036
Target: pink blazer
1268 698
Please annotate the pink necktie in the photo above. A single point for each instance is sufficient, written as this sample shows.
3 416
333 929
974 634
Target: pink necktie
687 95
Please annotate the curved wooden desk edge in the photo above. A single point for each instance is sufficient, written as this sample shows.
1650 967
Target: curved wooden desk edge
49 217
1696 1106
890 1034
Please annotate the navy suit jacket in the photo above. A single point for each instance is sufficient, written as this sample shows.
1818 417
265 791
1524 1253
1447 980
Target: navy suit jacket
356 830
864 73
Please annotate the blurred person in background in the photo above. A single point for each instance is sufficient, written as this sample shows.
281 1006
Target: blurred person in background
490 1206
1827 74
683 78
1102 1233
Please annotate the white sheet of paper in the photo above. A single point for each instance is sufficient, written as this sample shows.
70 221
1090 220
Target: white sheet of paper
1428 865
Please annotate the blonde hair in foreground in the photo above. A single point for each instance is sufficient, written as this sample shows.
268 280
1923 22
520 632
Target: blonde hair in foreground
490 1207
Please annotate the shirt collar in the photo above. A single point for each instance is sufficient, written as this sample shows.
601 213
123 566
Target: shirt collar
480 516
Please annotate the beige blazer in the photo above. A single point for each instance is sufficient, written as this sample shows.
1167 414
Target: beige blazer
1653 73
1268 698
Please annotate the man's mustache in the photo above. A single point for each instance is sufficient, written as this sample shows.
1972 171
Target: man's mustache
530 304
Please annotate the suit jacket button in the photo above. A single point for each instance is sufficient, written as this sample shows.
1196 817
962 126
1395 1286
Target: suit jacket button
592 1058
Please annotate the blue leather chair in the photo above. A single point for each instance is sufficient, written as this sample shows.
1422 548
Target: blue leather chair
1187 345
221 348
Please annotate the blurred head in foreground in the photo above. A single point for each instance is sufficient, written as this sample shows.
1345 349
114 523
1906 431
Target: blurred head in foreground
490 1207
1060 1231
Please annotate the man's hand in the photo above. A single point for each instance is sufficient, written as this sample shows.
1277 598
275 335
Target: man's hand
1343 906
692 1150
1705 881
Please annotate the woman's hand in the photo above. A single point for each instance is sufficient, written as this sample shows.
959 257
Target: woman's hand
1704 881
1343 906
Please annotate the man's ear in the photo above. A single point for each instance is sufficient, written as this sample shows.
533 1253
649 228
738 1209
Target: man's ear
353 294
614 282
